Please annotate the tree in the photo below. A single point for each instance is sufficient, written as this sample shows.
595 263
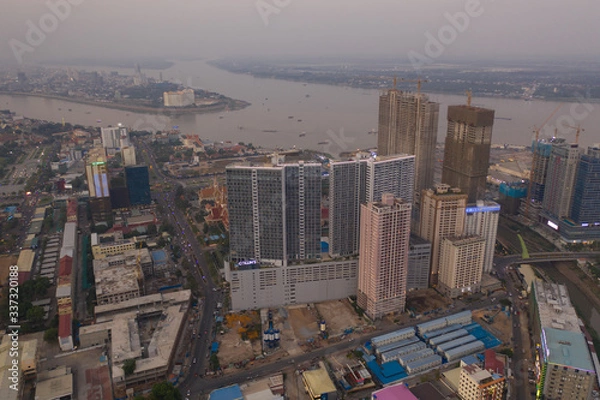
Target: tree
152 230
51 335
129 366
35 315
214 362
165 391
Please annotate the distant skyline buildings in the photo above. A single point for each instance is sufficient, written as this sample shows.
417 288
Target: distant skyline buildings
467 149
114 137
408 124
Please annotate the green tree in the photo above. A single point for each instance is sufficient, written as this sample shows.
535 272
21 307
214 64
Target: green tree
152 230
35 315
165 391
214 362
129 366
51 335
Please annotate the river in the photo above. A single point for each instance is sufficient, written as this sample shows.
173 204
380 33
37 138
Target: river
303 115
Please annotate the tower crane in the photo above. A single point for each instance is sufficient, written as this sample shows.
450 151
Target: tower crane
417 81
532 170
578 130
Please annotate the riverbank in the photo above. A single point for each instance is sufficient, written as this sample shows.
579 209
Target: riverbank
373 80
229 105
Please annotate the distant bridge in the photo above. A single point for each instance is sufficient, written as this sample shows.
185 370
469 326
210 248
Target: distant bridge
554 256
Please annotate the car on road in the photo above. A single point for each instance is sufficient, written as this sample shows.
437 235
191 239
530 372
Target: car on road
194 361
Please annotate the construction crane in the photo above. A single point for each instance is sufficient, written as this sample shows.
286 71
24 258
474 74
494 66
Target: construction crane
532 170
417 81
578 130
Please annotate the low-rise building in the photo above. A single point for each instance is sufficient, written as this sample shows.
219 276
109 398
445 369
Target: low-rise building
318 384
479 384
117 279
255 287
55 384
123 329
393 392
109 244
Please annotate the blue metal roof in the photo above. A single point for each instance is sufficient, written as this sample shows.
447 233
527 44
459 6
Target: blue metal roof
227 393
566 348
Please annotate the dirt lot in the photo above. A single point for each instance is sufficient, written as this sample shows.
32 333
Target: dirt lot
501 327
5 263
425 300
232 347
339 315
304 322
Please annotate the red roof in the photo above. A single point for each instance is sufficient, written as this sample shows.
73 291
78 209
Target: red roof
72 208
65 267
64 325
492 363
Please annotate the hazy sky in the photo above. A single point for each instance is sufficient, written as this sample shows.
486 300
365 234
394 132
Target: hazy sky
360 28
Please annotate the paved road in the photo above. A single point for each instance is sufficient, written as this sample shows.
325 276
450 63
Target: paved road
205 385
192 250
519 385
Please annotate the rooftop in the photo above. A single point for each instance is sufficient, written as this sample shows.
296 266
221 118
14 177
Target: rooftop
55 388
318 380
106 312
227 393
394 392
25 261
567 349
116 279
554 307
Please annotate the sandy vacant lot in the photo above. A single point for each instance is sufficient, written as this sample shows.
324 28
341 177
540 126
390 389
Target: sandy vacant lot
304 322
339 315
501 327
425 300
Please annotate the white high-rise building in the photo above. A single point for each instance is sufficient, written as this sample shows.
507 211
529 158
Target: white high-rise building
128 156
181 98
482 220
113 136
352 183
383 260
274 212
461 265
442 215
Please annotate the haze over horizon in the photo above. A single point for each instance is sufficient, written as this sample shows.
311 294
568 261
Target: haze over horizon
390 29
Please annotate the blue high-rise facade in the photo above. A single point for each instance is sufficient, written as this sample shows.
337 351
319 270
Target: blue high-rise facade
583 224
138 184
586 199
